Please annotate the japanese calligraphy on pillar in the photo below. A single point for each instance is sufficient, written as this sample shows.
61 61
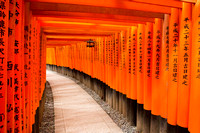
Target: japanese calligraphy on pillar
140 62
120 62
17 68
23 111
134 63
165 66
10 67
167 48
148 65
129 51
156 67
120 51
134 54
173 66
123 61
30 71
186 49
111 53
103 60
4 15
198 33
158 53
113 63
116 62
123 49
110 58
140 52
108 50
149 50
106 57
184 62
26 66
116 50
128 62
175 49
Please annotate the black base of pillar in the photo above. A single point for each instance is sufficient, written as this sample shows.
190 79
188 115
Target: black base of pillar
146 121
140 117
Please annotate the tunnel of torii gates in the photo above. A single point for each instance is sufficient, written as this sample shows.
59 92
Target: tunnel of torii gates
148 51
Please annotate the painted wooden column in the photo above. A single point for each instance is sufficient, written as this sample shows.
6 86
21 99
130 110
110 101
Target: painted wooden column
184 60
173 67
4 8
10 69
194 116
148 48
164 67
156 76
27 67
18 67
134 63
140 63
156 67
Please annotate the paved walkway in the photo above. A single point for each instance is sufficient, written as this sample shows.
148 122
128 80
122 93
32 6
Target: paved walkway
75 110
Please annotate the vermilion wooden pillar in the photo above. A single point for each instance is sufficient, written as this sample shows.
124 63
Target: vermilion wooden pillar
30 63
194 116
128 62
112 74
173 66
184 59
117 60
106 59
120 63
148 51
123 60
165 67
134 64
109 60
18 67
156 67
10 69
27 67
140 63
3 64
24 129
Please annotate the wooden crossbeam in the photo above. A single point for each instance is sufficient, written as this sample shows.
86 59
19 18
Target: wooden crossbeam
69 37
168 3
101 20
190 1
66 40
78 31
62 42
54 45
84 26
90 17
111 7
75 34
114 3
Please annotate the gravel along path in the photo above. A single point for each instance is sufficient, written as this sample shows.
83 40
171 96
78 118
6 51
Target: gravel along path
48 121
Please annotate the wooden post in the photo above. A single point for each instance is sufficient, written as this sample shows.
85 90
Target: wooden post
146 121
155 124
140 117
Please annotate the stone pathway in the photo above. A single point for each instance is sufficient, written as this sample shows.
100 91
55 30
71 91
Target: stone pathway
75 110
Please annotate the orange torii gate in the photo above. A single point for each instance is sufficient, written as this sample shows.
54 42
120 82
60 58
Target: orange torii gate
145 51
157 51
22 51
